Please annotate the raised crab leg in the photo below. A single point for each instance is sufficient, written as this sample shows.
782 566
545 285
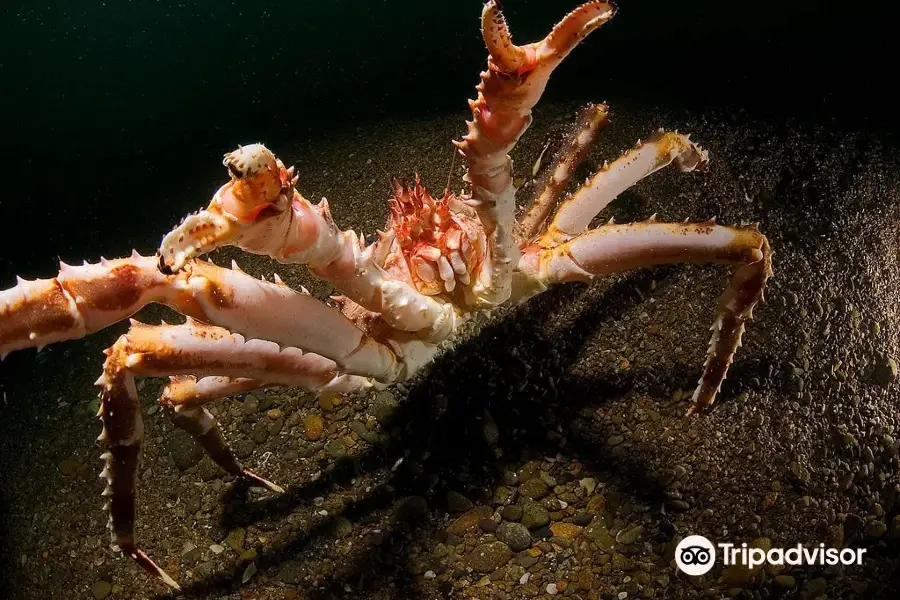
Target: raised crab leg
663 148
572 153
615 248
509 89
190 349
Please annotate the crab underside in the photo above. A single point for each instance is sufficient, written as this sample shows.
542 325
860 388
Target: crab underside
439 261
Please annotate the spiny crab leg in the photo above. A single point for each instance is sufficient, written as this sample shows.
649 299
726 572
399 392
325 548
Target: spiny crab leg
260 211
579 142
190 349
84 299
647 157
614 248
509 89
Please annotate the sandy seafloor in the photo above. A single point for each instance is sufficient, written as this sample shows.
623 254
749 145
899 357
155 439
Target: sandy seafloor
567 412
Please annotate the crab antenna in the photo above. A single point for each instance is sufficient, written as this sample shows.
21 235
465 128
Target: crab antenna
450 173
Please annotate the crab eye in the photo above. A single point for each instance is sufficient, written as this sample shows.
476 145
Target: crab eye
234 170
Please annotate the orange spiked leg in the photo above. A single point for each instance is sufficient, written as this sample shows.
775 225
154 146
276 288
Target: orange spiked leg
509 89
192 349
614 248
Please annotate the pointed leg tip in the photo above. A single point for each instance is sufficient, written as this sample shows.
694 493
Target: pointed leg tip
256 479
141 558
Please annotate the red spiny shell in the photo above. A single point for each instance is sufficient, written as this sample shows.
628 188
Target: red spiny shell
423 223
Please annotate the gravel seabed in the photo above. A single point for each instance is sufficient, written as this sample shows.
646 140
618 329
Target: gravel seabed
546 453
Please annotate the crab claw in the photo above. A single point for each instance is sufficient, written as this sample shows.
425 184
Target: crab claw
241 210
521 60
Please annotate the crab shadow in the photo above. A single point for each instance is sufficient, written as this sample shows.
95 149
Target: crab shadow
485 407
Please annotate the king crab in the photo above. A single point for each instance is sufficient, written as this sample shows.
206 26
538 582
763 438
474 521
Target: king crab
438 262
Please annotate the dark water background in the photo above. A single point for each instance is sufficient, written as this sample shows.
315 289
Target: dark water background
115 113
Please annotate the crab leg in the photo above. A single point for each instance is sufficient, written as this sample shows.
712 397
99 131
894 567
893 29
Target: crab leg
81 300
509 89
571 155
260 211
195 349
576 213
615 248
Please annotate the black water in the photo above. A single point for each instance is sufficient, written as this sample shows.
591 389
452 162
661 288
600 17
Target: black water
115 112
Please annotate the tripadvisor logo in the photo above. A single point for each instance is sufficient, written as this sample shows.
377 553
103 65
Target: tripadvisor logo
696 555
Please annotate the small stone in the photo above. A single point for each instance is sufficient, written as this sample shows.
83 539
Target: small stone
513 512
542 533
568 531
456 502
582 519
412 507
487 558
815 588
470 519
534 516
248 555
596 505
274 414
552 589
629 536
329 400
785 582
336 448
251 404
895 527
488 525
516 536
101 589
384 406
314 426
491 431
589 484
70 466
260 433
244 447
876 529
235 539
185 452
885 372
217 548
599 534
534 489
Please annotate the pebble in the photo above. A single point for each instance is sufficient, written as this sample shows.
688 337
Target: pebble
456 502
785 582
235 539
516 536
534 489
314 426
384 406
876 529
70 466
552 589
489 557
336 448
101 589
534 516
513 512
815 588
568 531
630 536
488 525
251 404
186 453
470 519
